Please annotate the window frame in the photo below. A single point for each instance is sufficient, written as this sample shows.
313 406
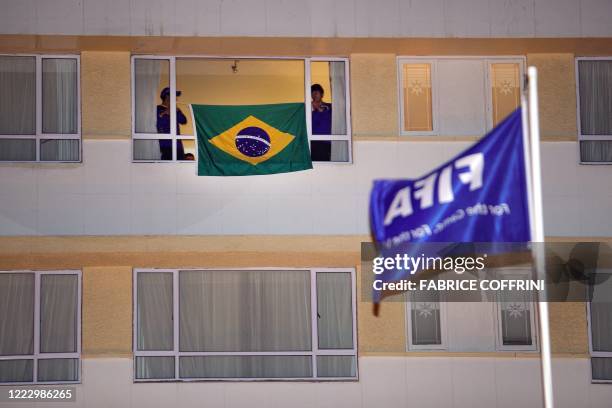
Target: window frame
39 134
37 355
172 73
443 346
176 353
435 88
582 137
593 353
533 318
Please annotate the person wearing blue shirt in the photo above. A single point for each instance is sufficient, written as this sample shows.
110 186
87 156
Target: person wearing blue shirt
320 150
163 126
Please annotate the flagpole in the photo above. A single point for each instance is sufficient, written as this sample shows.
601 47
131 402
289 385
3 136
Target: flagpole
537 236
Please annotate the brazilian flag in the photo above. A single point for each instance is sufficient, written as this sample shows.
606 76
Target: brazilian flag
251 139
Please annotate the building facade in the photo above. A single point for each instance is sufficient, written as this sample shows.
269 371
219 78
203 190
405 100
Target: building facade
110 244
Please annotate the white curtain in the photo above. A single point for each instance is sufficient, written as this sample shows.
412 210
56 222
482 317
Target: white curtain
155 367
425 318
16 313
336 366
245 311
334 310
246 367
59 150
58 369
58 313
596 150
18 101
338 85
147 79
155 326
339 151
59 95
595 82
515 318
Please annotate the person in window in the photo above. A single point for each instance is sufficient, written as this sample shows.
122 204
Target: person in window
320 150
163 126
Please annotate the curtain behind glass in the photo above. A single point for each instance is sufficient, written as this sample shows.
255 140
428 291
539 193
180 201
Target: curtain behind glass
59 149
58 313
155 367
515 319
336 366
595 82
147 77
18 101
338 84
16 313
58 369
335 310
59 95
246 367
425 318
155 326
245 311
596 151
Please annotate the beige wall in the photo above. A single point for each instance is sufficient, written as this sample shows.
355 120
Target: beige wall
106 94
557 93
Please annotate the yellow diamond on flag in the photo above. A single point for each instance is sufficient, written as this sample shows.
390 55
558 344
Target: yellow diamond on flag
252 140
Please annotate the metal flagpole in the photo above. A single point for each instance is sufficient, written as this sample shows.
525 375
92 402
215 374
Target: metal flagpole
537 233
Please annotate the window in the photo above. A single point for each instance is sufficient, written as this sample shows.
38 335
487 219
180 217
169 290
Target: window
165 87
515 316
426 321
457 96
40 117
40 317
245 324
594 91
600 328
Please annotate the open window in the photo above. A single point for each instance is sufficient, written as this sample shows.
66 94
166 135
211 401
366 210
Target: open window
40 118
165 87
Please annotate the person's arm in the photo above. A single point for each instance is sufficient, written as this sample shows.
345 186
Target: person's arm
180 117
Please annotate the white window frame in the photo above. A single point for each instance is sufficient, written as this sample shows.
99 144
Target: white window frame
582 137
39 134
519 273
435 88
443 328
593 353
314 325
307 83
37 354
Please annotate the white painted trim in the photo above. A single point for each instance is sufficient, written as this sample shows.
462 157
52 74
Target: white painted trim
313 353
38 355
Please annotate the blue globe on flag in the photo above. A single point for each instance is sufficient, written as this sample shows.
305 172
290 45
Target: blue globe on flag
253 141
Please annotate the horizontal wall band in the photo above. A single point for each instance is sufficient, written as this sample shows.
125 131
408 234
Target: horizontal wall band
284 46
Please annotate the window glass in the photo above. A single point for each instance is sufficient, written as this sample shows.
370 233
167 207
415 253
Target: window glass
515 319
17 314
155 323
595 86
506 89
152 95
18 102
59 95
158 368
336 366
246 367
328 97
417 97
425 318
58 313
59 149
334 310
58 369
245 311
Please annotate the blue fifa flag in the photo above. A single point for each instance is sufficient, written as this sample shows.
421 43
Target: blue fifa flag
481 195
